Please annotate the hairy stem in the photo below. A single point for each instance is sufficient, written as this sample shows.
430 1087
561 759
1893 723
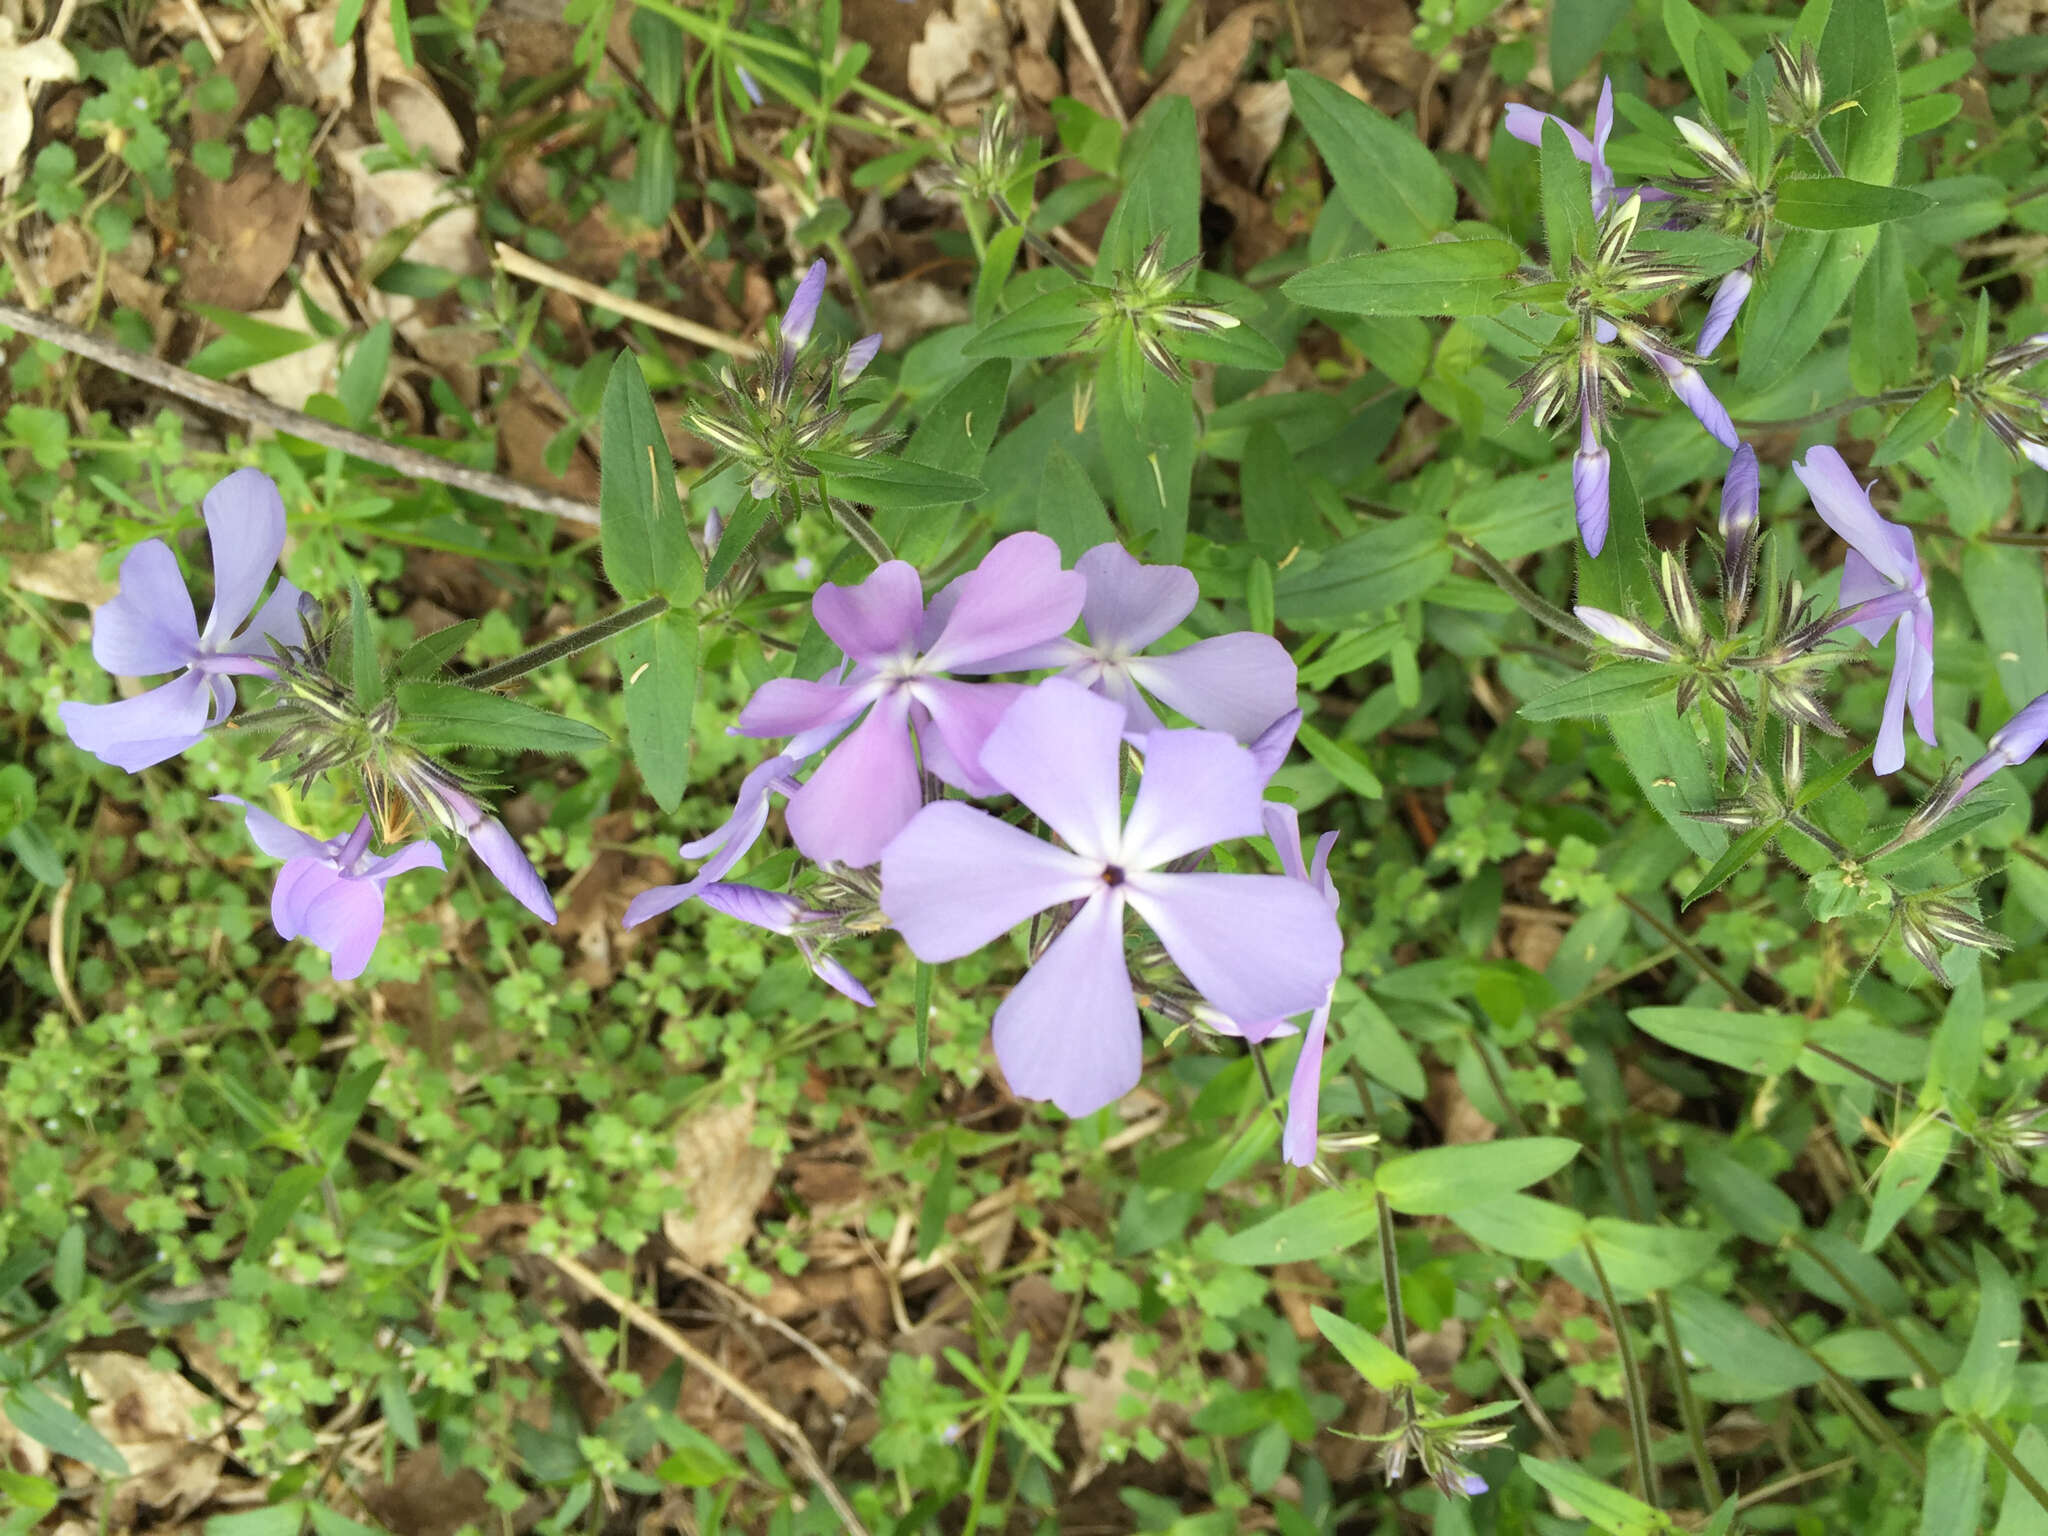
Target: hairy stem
1631 1381
596 632
1538 607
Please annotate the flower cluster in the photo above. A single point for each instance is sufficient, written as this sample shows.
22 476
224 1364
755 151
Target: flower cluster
330 890
912 711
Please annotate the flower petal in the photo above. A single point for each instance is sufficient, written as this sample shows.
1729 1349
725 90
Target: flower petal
1240 683
802 313
299 884
149 626
1200 788
790 706
245 523
1057 750
862 793
776 911
956 878
1069 1031
1130 605
876 619
855 363
1304 1093
1017 596
836 976
274 837
278 619
420 854
1283 830
1270 750
503 857
1256 946
963 715
346 919
1844 506
1889 755
728 844
1526 123
140 732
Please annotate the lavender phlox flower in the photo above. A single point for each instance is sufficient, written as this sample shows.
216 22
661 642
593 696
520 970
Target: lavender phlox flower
1685 382
1882 561
150 627
1729 298
2010 745
1241 683
331 891
864 792
1526 123
956 878
723 848
784 914
1592 474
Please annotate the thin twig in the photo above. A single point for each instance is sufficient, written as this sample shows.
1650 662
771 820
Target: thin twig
59 972
258 412
1077 34
760 1319
519 264
592 1285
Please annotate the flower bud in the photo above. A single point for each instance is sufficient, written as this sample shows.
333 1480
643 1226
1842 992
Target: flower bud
1625 635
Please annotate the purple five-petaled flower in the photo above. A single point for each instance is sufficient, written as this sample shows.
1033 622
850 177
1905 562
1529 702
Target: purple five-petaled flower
1526 123
1240 683
1882 571
868 787
331 890
956 878
150 628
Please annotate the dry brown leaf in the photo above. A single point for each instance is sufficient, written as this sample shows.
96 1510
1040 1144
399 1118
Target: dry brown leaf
722 1177
1098 1388
1263 109
418 111
151 1417
24 69
909 309
959 55
1209 71
242 233
330 69
64 575
291 381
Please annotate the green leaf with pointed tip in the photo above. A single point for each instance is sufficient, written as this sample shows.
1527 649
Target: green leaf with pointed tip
1983 1383
436 714
1567 201
748 519
1763 1043
1442 1180
1386 176
1837 202
1615 688
288 1191
1161 172
35 1412
364 671
1911 1166
1382 1366
1953 1495
1050 325
1917 424
1521 1226
1611 1511
643 529
1738 853
1798 297
886 482
1322 1224
430 653
1858 63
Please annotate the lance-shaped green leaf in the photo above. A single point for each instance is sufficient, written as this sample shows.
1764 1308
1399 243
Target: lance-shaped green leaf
658 669
430 653
1380 568
1522 1226
447 714
35 1412
1617 688
1567 200
1161 171
645 536
1440 1180
1322 1224
1047 326
1446 277
1918 424
1764 1043
287 1192
887 482
1837 202
1911 1165
1612 1512
1984 1381
1386 176
1953 1495
1381 1366
1798 297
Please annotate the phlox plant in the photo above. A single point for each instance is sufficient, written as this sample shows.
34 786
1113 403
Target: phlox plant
1033 654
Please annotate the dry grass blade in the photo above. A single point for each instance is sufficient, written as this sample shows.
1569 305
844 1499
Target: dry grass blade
518 264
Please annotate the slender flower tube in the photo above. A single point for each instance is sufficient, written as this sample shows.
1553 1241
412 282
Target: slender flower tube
434 791
150 627
331 891
906 705
784 914
2010 745
1592 472
1241 683
1721 313
1686 383
956 878
1882 561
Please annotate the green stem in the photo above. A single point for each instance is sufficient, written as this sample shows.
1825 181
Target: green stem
596 632
977 1482
1538 607
1688 1405
1870 1308
1631 1380
2013 1465
1683 943
1820 148
1829 413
